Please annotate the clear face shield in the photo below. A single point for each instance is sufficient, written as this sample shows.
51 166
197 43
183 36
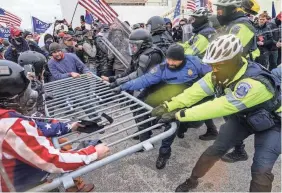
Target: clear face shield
135 46
187 32
149 28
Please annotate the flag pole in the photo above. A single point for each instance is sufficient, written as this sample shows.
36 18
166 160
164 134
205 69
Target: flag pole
74 11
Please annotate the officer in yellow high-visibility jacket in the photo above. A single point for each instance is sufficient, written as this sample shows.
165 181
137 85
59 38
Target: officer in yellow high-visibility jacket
231 14
246 93
203 33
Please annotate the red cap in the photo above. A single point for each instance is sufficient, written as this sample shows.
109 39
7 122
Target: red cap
61 34
15 32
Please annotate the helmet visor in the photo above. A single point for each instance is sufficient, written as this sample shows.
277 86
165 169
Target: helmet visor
134 46
149 28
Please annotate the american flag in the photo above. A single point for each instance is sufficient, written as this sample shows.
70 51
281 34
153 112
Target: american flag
176 16
25 143
9 18
100 9
193 4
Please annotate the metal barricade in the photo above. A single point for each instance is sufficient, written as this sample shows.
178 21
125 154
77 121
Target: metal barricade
87 98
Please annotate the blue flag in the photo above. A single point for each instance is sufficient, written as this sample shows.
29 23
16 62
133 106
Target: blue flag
273 10
39 26
4 32
89 19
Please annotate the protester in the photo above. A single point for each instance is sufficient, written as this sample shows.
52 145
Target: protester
264 40
64 65
18 45
48 39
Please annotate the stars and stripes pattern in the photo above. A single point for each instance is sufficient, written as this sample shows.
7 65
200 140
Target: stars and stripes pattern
176 16
193 4
9 19
24 142
100 9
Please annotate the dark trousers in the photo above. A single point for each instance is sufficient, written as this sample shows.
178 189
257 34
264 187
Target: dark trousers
273 59
165 148
263 59
267 150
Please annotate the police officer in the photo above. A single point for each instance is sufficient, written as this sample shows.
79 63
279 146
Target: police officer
231 15
161 37
246 93
102 62
197 46
144 56
167 80
243 28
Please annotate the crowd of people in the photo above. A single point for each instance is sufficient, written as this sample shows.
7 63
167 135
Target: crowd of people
208 66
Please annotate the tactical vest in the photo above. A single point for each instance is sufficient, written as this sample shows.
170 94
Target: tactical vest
163 41
204 32
147 52
257 72
252 44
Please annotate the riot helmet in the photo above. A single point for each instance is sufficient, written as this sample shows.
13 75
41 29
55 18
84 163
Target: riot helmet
139 40
15 89
155 24
33 62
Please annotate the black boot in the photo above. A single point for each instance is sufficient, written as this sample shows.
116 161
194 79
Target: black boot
211 134
188 185
161 161
238 154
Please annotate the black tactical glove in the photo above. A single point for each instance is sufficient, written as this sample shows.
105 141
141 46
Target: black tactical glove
116 90
159 111
113 85
112 79
168 117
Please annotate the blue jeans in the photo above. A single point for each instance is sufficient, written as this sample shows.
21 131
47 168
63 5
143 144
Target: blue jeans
267 150
165 148
273 59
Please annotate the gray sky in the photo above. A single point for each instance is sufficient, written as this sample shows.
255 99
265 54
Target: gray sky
44 10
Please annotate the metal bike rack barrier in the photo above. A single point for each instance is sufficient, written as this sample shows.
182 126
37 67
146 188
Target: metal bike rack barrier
87 98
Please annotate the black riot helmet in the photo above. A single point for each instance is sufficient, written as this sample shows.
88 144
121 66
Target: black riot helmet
13 80
32 61
15 88
139 40
156 24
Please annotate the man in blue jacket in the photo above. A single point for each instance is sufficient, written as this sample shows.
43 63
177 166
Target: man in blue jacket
166 80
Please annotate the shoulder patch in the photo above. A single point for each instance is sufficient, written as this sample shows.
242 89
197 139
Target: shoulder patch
235 29
242 90
154 70
190 72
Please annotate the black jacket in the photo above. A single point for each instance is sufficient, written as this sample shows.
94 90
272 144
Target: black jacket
276 33
264 34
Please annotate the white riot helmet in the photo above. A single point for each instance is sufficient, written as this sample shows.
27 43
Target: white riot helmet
223 48
227 3
200 12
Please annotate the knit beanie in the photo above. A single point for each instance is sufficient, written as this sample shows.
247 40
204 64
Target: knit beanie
54 47
175 52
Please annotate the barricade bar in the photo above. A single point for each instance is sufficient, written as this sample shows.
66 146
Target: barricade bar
87 98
